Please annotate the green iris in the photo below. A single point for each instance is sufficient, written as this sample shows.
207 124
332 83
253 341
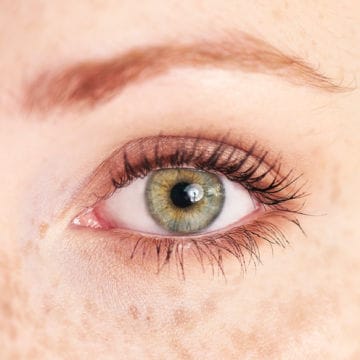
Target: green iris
184 200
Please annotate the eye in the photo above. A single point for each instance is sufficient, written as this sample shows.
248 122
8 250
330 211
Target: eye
176 201
180 199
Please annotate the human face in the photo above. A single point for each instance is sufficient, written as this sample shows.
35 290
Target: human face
81 80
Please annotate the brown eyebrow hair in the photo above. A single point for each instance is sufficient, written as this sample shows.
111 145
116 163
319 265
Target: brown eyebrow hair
88 83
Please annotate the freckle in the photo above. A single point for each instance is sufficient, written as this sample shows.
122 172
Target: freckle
43 228
182 318
149 316
6 309
134 312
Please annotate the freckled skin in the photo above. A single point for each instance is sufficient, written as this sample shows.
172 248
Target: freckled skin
134 312
184 319
43 228
66 296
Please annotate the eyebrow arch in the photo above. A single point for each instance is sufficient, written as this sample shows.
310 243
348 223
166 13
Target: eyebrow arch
90 82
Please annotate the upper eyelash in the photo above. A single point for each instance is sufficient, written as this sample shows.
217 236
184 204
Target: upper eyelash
278 194
273 194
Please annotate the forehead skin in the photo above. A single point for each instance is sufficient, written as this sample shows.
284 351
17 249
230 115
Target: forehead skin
65 301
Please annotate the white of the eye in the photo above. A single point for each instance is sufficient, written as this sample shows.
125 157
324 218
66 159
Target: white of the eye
238 205
127 208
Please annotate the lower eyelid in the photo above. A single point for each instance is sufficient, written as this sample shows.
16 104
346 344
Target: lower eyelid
204 253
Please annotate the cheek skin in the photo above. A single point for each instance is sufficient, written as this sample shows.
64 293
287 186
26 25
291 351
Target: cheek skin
182 319
288 304
10 310
43 228
272 312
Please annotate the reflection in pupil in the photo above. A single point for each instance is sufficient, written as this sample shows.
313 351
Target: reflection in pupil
184 194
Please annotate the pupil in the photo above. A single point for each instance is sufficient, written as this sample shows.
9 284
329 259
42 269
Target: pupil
182 194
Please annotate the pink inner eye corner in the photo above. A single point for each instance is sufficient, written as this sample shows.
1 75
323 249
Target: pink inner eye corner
89 218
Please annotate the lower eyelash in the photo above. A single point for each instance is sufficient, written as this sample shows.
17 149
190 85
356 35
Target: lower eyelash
240 242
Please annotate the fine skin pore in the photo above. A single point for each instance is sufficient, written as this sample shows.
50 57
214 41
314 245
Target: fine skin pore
62 297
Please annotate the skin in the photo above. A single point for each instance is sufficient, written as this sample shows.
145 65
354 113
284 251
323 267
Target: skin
63 297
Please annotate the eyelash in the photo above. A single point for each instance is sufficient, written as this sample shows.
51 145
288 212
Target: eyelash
273 194
279 197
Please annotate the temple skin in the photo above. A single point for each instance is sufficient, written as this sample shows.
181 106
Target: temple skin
69 294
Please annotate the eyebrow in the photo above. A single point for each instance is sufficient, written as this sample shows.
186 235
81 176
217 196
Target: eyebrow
88 83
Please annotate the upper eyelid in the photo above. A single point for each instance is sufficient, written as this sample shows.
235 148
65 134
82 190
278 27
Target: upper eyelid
119 166
199 147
